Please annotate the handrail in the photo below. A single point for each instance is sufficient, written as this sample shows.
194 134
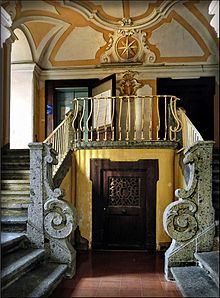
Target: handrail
126 118
61 140
190 134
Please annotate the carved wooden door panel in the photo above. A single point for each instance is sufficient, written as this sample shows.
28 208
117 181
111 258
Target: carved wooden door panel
124 193
124 204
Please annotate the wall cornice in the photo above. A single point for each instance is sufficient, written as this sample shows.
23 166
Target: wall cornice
147 72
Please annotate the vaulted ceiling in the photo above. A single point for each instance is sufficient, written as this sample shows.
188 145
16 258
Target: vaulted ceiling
60 34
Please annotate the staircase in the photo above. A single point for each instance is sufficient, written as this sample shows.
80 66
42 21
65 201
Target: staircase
14 189
201 280
25 271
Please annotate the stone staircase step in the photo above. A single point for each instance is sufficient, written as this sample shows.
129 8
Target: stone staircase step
16 213
194 282
19 262
15 184
210 262
12 165
13 223
14 203
15 151
39 282
15 159
11 241
15 192
15 174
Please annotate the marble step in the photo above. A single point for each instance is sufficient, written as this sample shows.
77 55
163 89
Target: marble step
13 223
14 192
15 174
210 262
15 152
194 282
11 241
18 262
14 213
39 282
15 165
15 184
15 203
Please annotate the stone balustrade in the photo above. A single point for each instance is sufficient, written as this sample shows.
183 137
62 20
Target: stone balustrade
51 219
189 221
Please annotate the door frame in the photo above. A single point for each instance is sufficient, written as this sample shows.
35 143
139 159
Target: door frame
51 85
97 166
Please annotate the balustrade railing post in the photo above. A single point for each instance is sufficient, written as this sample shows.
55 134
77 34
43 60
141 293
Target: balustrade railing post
189 221
51 219
70 134
35 225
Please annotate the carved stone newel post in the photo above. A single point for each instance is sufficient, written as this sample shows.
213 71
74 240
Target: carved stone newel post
51 220
190 220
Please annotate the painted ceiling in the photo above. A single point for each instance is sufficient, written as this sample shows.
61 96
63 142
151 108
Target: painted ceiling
61 34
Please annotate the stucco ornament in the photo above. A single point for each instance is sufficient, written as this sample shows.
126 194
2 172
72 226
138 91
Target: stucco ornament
190 220
128 84
128 44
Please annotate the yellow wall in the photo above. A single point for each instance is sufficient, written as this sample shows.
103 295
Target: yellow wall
67 186
165 185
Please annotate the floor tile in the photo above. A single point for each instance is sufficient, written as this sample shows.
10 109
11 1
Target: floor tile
108 292
132 292
118 274
83 292
87 283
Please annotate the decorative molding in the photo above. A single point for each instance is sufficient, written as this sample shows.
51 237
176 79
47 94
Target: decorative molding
214 11
128 85
128 44
149 72
107 22
190 220
6 23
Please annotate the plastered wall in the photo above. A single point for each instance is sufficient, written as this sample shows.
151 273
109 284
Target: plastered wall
166 184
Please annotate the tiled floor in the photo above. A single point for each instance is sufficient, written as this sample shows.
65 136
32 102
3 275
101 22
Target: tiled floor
118 274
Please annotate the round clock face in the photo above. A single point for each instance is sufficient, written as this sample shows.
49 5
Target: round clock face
127 47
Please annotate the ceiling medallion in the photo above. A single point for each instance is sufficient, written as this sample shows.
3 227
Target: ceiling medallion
127 48
128 44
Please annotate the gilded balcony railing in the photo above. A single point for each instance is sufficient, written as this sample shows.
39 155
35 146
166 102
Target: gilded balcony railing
190 135
61 140
126 118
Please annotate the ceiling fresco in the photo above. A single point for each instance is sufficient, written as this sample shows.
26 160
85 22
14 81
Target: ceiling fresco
89 33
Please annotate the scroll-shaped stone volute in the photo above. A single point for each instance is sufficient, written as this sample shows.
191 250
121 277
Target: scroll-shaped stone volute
179 220
60 221
190 220
60 218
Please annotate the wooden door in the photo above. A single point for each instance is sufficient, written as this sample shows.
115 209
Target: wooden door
124 195
124 204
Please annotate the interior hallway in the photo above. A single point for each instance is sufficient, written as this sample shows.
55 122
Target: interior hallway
118 274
